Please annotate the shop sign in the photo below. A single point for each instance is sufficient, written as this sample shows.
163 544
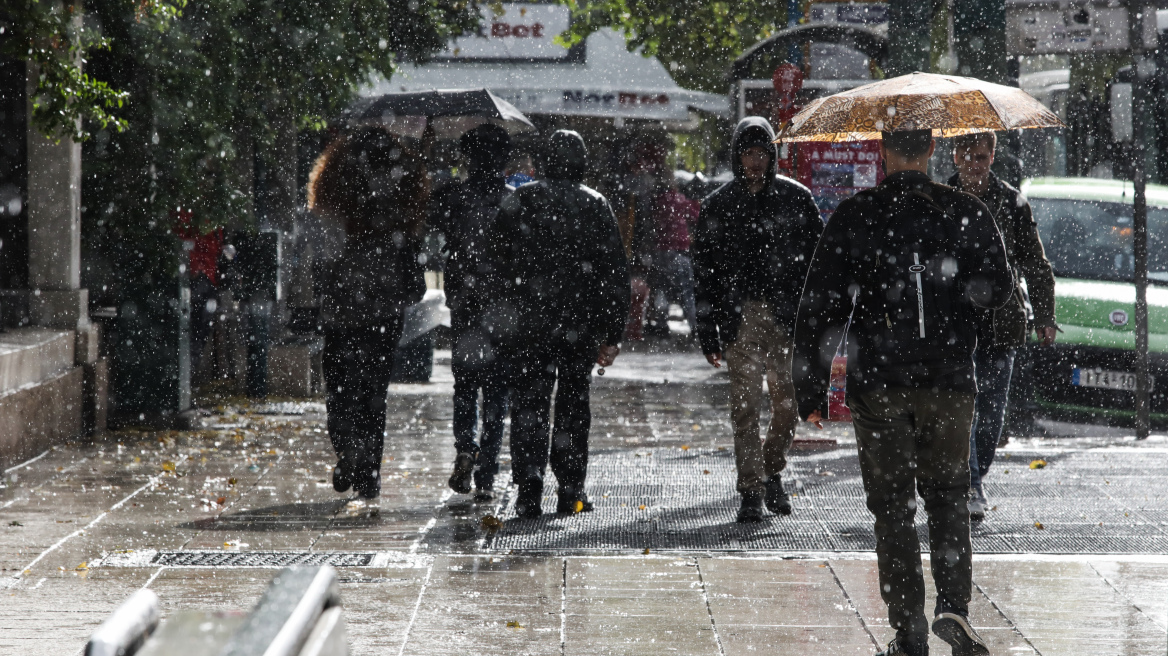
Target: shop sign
513 31
834 172
1060 27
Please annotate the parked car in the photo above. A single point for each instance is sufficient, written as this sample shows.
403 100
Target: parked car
1089 373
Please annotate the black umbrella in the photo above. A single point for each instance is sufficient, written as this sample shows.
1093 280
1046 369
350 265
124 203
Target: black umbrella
451 112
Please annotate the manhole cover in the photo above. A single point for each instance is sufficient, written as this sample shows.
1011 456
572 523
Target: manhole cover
259 559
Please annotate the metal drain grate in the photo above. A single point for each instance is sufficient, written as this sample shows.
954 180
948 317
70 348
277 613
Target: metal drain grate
686 500
259 559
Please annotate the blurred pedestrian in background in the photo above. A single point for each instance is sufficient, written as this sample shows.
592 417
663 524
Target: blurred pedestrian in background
376 187
466 214
670 267
520 170
914 259
569 285
1001 331
754 240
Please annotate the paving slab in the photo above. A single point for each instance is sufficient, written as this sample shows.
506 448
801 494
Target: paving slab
422 574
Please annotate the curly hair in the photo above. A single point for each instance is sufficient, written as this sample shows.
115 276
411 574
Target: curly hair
371 182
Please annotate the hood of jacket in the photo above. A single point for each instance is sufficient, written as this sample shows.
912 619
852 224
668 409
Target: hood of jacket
567 157
753 131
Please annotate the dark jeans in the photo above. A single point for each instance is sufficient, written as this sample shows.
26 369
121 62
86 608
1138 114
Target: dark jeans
915 440
534 374
357 366
994 366
476 366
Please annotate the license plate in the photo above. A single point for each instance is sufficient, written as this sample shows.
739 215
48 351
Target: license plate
1106 379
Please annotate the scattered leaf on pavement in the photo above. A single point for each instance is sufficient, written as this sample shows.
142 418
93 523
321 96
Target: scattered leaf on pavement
15 523
1037 464
491 524
221 500
514 624
1039 526
168 466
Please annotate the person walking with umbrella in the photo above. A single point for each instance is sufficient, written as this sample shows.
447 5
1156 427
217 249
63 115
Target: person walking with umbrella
569 297
466 214
374 187
1002 331
914 260
754 238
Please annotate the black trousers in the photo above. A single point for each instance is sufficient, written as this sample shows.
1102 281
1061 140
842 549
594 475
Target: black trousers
534 373
357 364
477 366
910 441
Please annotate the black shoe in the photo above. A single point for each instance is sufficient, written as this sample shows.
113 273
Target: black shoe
342 481
777 500
527 506
570 504
463 469
751 509
898 648
369 485
956 630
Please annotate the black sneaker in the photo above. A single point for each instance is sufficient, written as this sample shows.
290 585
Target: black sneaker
570 504
342 481
898 648
956 630
751 509
527 505
368 486
463 470
777 500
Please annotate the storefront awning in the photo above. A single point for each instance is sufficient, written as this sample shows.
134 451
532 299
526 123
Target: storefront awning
610 83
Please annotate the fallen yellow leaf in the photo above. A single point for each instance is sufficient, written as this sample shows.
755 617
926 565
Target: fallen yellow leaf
168 466
1037 464
705 471
1039 526
685 447
641 507
646 551
514 624
578 506
221 500
82 567
491 524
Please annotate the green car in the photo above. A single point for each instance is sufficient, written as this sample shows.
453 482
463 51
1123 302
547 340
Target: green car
1088 375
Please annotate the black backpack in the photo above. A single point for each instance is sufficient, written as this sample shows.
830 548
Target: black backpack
913 301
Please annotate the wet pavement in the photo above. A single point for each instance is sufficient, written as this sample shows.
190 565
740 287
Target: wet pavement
1074 560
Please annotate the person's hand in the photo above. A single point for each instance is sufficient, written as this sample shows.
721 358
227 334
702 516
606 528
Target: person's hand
1046 334
607 355
714 359
816 417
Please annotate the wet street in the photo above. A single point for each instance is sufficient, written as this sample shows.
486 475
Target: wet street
1072 558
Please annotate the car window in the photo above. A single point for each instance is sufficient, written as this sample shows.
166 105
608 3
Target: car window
1093 239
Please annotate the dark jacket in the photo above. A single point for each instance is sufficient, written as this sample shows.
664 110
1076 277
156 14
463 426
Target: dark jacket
918 256
567 277
751 246
466 213
1008 326
372 282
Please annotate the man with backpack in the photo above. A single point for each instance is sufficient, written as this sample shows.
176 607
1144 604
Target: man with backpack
915 258
567 297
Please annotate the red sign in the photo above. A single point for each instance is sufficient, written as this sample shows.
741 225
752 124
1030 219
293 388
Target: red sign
836 171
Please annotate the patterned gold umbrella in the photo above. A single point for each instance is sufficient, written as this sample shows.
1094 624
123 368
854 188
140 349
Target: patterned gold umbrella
949 105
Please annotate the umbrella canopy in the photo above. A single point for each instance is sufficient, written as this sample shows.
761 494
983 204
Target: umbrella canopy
451 112
948 105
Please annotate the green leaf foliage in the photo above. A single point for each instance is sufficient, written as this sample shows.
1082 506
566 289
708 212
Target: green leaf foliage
696 39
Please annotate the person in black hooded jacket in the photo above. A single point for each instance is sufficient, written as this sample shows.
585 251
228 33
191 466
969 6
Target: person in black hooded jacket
466 213
564 309
754 239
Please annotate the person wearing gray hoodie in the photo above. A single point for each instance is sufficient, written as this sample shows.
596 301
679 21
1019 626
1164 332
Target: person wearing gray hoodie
754 240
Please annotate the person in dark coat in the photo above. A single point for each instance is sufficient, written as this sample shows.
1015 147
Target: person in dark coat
375 187
1001 331
915 259
568 298
466 214
754 239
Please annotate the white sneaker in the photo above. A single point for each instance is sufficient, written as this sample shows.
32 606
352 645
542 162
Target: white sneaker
977 504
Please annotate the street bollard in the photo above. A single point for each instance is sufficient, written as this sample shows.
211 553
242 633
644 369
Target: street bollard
128 628
298 615
286 618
